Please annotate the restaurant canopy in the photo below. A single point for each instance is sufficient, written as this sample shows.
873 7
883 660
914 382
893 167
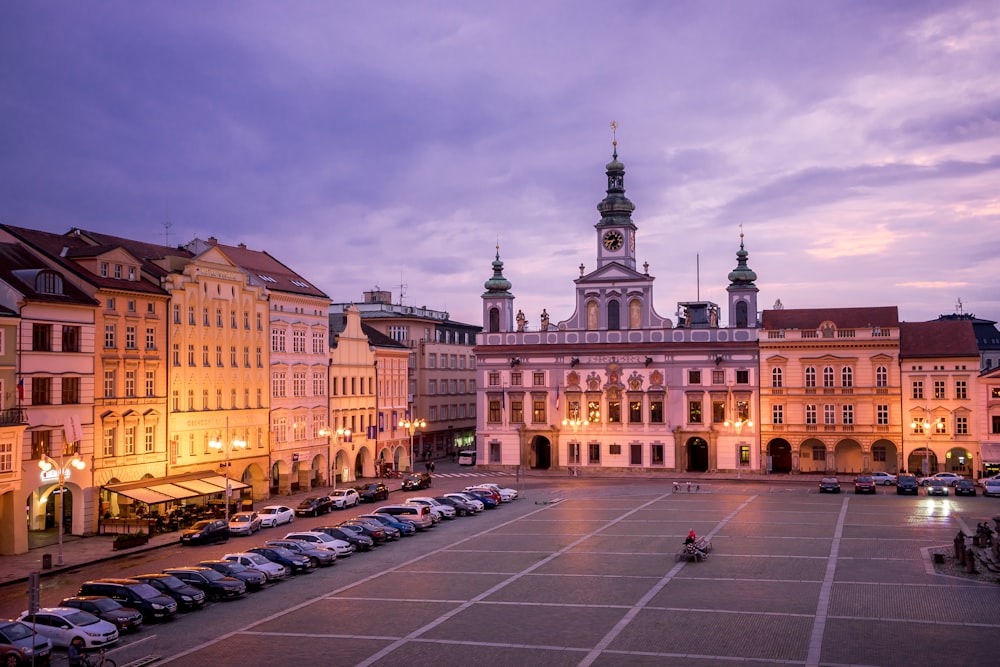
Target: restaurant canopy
179 487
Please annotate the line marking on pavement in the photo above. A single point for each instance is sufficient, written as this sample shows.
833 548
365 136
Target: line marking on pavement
823 604
643 602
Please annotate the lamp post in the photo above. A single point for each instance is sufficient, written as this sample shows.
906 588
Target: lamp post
411 427
575 424
47 464
739 420
924 426
236 443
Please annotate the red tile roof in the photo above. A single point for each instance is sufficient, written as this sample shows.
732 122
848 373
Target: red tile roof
843 318
940 338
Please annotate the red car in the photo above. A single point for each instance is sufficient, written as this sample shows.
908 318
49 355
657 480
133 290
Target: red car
864 484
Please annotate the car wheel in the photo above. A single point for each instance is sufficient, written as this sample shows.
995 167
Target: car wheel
11 660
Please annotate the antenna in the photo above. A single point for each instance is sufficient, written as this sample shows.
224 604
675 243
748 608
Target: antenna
402 288
958 306
166 228
697 271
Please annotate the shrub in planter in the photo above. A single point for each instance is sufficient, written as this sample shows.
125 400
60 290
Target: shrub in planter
129 540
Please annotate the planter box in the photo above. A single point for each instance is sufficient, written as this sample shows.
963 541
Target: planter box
137 541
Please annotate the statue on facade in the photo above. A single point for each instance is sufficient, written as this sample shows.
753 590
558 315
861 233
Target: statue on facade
545 320
521 320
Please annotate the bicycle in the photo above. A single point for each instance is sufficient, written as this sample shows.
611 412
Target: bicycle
100 659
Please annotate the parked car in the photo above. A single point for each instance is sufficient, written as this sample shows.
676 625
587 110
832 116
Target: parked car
360 542
461 507
187 597
992 488
216 586
485 496
949 477
469 498
884 478
445 511
206 532
506 494
419 515
151 603
25 645
254 561
938 487
106 609
253 579
321 540
480 490
416 481
244 523
296 563
64 624
344 498
405 528
906 484
371 493
864 484
965 487
377 533
275 515
829 485
984 480
314 506
318 556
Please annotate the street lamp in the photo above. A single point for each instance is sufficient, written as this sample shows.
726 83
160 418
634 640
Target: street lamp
411 427
924 426
47 464
235 444
575 424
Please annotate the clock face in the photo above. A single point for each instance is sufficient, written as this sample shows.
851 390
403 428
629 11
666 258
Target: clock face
613 240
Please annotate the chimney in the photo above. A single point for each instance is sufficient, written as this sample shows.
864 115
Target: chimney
212 241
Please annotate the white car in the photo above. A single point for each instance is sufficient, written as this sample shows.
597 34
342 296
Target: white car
342 548
948 477
273 571
63 624
992 487
446 511
275 515
506 495
984 480
465 497
883 478
344 498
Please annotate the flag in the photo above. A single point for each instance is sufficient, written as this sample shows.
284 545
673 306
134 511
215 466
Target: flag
503 397
557 397
20 389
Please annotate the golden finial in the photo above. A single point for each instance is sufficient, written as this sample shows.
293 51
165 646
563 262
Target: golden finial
741 231
614 133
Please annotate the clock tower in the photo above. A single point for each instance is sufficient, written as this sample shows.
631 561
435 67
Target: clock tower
616 231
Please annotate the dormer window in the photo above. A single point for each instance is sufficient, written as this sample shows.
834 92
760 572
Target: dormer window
49 282
118 270
104 269
131 273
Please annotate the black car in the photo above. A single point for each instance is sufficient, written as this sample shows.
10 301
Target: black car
216 586
206 532
378 534
907 484
253 579
416 481
187 597
829 485
372 492
296 563
314 506
106 609
360 542
965 487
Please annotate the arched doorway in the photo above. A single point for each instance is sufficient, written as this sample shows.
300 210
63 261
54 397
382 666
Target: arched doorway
780 453
697 455
922 461
541 453
848 457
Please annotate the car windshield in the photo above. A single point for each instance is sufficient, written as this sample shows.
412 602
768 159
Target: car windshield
15 631
269 510
145 591
339 493
211 574
864 479
829 480
257 559
106 604
173 583
283 552
240 518
81 618
318 537
201 524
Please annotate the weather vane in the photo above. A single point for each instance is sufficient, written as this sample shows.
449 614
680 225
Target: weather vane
614 133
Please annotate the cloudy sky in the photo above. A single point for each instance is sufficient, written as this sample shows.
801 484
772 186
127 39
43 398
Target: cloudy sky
393 143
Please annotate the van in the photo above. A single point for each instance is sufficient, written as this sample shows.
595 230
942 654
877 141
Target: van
418 515
151 603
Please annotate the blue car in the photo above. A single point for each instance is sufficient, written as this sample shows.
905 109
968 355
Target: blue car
489 502
405 528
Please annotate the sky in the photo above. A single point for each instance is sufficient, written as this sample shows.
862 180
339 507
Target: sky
394 144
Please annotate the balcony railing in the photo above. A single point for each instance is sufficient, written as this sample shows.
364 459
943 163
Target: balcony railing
13 416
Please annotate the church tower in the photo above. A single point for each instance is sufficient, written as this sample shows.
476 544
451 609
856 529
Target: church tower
498 302
742 293
616 231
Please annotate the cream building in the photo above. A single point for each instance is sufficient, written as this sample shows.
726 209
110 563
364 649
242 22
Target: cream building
13 422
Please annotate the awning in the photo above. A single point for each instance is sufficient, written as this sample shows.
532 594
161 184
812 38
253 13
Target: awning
990 452
178 487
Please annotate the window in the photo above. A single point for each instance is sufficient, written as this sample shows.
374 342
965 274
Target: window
190 355
694 377
744 454
109 336
233 361
205 360
150 338
298 384
694 411
538 411
594 412
495 414
517 411
635 455
494 379
205 321
515 379
130 384
918 389
278 385
130 305
656 411
881 377
118 270
777 414
432 387
635 412
432 361
776 378
614 412
829 414
150 438
819 453
656 455
175 400
130 339
573 453
882 415
175 354
109 441
810 377
538 379
718 412
150 383
961 425
104 269
70 339
109 383
41 391
847 376
218 317
232 319
6 457
594 452
718 377
109 304
218 355
260 357
299 341
40 443
847 412
827 377
128 443
743 377
939 389
177 313
70 390
995 424
811 414
246 356
191 319
260 322
961 390
318 343
277 340
878 453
